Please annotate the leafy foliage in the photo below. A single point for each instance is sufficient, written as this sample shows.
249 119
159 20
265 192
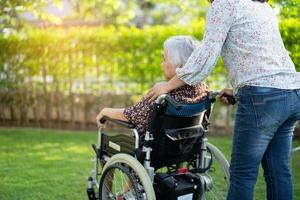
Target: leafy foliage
289 8
104 58
289 29
50 74
11 11
106 11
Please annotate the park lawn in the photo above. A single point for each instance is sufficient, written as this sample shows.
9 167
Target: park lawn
43 164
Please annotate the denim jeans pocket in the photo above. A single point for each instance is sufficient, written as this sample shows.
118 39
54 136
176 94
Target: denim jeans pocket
298 93
269 108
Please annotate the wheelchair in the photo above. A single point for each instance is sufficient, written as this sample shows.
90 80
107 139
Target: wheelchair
173 161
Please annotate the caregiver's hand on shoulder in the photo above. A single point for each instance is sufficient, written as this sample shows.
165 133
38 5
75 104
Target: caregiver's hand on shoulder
223 99
158 89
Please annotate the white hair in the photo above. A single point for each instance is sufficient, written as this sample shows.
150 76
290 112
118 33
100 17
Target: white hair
179 48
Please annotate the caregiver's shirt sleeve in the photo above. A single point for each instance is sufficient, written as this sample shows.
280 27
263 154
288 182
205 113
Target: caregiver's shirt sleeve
218 22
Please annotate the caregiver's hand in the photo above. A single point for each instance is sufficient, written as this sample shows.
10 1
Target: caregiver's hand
164 87
225 92
158 89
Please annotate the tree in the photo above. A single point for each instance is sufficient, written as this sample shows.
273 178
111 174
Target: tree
113 12
11 12
289 8
171 11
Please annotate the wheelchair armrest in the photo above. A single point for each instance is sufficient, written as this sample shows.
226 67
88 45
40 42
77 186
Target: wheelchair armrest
173 102
116 121
165 97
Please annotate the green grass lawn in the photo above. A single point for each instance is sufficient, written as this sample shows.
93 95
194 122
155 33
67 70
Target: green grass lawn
40 164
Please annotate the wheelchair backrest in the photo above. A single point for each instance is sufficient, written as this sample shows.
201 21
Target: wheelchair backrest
177 133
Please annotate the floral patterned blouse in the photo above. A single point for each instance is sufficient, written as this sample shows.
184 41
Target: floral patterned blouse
246 34
139 113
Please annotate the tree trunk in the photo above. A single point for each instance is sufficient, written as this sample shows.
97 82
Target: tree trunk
23 106
71 96
35 107
46 96
57 98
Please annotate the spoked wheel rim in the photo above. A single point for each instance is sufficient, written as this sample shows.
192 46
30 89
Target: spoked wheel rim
219 188
218 191
118 182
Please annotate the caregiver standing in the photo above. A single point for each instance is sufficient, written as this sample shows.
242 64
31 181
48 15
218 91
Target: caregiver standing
266 83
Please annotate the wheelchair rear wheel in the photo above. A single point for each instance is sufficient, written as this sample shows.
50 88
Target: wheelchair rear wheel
219 173
124 177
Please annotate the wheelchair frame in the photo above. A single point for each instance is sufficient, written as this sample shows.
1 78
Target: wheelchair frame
202 161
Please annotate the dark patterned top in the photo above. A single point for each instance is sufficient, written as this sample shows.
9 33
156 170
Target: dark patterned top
139 113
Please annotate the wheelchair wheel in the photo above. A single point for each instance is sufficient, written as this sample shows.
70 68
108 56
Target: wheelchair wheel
124 177
219 173
119 183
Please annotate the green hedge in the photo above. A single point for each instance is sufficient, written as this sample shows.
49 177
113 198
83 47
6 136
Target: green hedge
57 74
103 59
290 33
87 59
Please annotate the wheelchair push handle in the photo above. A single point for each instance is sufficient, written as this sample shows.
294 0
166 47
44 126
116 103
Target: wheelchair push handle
231 99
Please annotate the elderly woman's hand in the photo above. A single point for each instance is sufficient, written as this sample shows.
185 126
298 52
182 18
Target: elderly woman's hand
158 89
223 98
98 117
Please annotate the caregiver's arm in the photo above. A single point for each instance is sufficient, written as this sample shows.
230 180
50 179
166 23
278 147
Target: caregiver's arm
218 22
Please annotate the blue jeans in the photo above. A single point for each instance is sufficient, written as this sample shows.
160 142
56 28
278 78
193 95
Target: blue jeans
264 125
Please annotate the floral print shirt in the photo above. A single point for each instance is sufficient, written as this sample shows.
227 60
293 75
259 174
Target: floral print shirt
139 113
246 34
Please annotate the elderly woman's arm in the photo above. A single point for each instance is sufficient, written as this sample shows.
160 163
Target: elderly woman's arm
114 113
136 114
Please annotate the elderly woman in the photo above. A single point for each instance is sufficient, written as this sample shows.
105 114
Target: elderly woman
176 51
